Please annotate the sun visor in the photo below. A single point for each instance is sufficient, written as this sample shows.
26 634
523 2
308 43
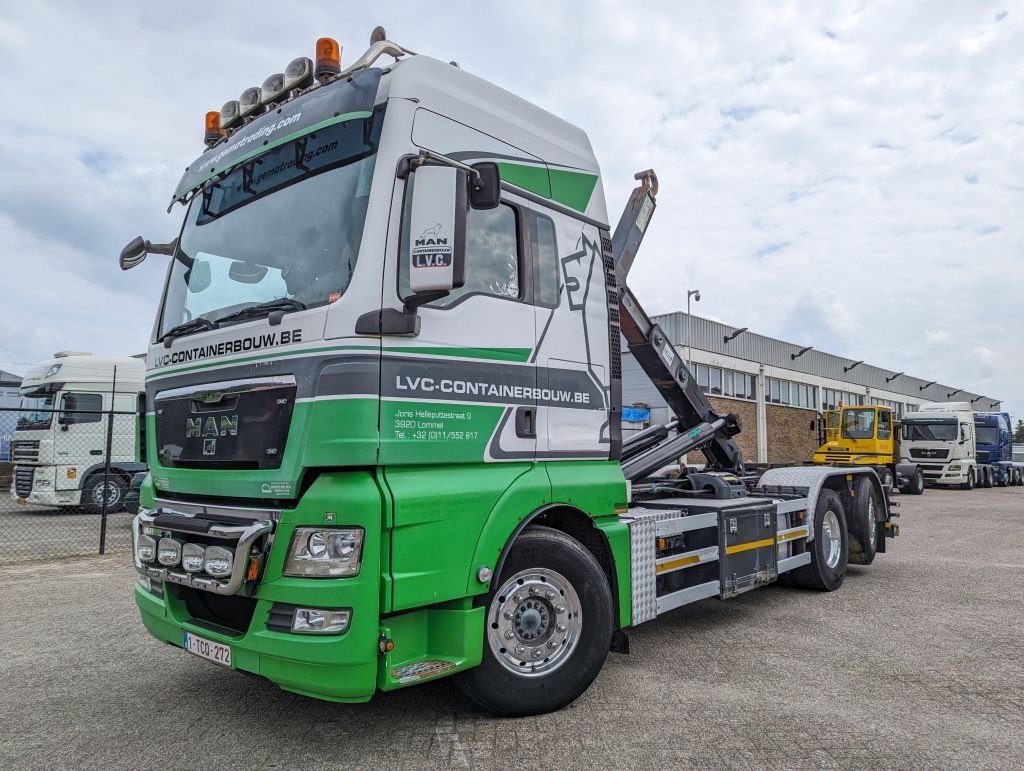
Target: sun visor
349 99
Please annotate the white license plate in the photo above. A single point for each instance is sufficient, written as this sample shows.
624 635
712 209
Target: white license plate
207 649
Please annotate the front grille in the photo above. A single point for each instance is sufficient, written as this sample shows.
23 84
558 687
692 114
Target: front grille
982 456
928 452
25 450
931 466
216 611
23 476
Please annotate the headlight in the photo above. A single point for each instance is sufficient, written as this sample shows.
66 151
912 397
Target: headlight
217 561
168 552
192 557
325 552
954 467
316 621
146 548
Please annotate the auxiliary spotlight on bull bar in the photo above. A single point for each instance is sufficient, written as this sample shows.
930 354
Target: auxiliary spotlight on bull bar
245 536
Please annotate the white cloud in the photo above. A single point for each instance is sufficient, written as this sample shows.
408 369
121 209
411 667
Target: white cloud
843 175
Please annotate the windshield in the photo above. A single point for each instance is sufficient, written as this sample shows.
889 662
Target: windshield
858 424
930 431
986 434
286 225
35 412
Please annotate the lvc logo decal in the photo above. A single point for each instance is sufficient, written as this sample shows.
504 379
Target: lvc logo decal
431 250
577 269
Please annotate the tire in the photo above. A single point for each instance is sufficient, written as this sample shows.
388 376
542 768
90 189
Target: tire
1007 479
93 492
1020 477
916 486
888 478
969 484
559 659
827 568
988 479
867 504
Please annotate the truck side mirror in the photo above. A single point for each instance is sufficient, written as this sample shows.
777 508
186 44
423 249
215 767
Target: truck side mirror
133 254
437 232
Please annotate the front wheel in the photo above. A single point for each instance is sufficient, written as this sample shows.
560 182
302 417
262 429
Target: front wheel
887 478
969 484
987 477
548 627
916 486
100 488
827 568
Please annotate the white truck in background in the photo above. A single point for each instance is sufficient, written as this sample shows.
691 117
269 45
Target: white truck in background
940 438
59 446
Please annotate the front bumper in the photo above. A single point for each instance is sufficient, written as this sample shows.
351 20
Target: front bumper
335 667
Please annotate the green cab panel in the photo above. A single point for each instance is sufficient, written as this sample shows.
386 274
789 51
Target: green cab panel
438 512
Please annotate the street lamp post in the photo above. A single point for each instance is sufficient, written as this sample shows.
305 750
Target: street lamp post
695 294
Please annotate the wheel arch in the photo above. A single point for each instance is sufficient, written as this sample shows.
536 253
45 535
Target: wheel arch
580 527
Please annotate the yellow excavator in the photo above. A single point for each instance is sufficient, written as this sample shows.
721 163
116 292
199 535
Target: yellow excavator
867 435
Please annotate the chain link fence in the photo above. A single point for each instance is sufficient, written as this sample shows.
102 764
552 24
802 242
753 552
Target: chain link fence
68 476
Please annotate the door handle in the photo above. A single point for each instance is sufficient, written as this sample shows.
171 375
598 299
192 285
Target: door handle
95 452
526 422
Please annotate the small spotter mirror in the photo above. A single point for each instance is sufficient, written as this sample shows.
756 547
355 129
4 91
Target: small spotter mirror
246 272
485 188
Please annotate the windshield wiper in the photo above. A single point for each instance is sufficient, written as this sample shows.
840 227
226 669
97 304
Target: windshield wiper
282 304
198 324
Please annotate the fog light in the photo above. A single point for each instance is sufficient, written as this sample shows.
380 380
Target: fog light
217 561
168 552
316 621
146 548
192 557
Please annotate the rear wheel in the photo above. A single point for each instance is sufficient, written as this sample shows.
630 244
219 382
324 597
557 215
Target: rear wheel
969 484
548 627
827 568
867 505
987 479
1020 477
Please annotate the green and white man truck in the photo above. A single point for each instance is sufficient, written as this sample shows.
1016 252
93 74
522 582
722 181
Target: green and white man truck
383 405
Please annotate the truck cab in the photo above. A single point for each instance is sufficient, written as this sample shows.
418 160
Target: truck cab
59 446
867 435
994 442
940 438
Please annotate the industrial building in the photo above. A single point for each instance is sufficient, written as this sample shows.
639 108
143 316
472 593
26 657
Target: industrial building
777 388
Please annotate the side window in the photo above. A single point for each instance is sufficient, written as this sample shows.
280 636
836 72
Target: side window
80 408
492 255
546 290
884 424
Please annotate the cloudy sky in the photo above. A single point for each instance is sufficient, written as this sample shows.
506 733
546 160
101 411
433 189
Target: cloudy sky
850 178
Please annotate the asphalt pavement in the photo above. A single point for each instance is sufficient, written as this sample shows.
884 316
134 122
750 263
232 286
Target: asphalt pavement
916 662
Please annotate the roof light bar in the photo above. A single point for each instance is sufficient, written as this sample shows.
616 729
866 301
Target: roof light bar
328 58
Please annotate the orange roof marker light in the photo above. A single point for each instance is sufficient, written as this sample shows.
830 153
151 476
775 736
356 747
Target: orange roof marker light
328 58
214 133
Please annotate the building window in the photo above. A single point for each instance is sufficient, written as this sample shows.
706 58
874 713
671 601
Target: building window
715 381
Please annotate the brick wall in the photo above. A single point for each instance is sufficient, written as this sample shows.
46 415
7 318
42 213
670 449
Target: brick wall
747 438
790 437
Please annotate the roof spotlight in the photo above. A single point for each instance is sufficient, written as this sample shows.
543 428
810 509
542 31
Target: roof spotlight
298 73
229 114
273 88
249 101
